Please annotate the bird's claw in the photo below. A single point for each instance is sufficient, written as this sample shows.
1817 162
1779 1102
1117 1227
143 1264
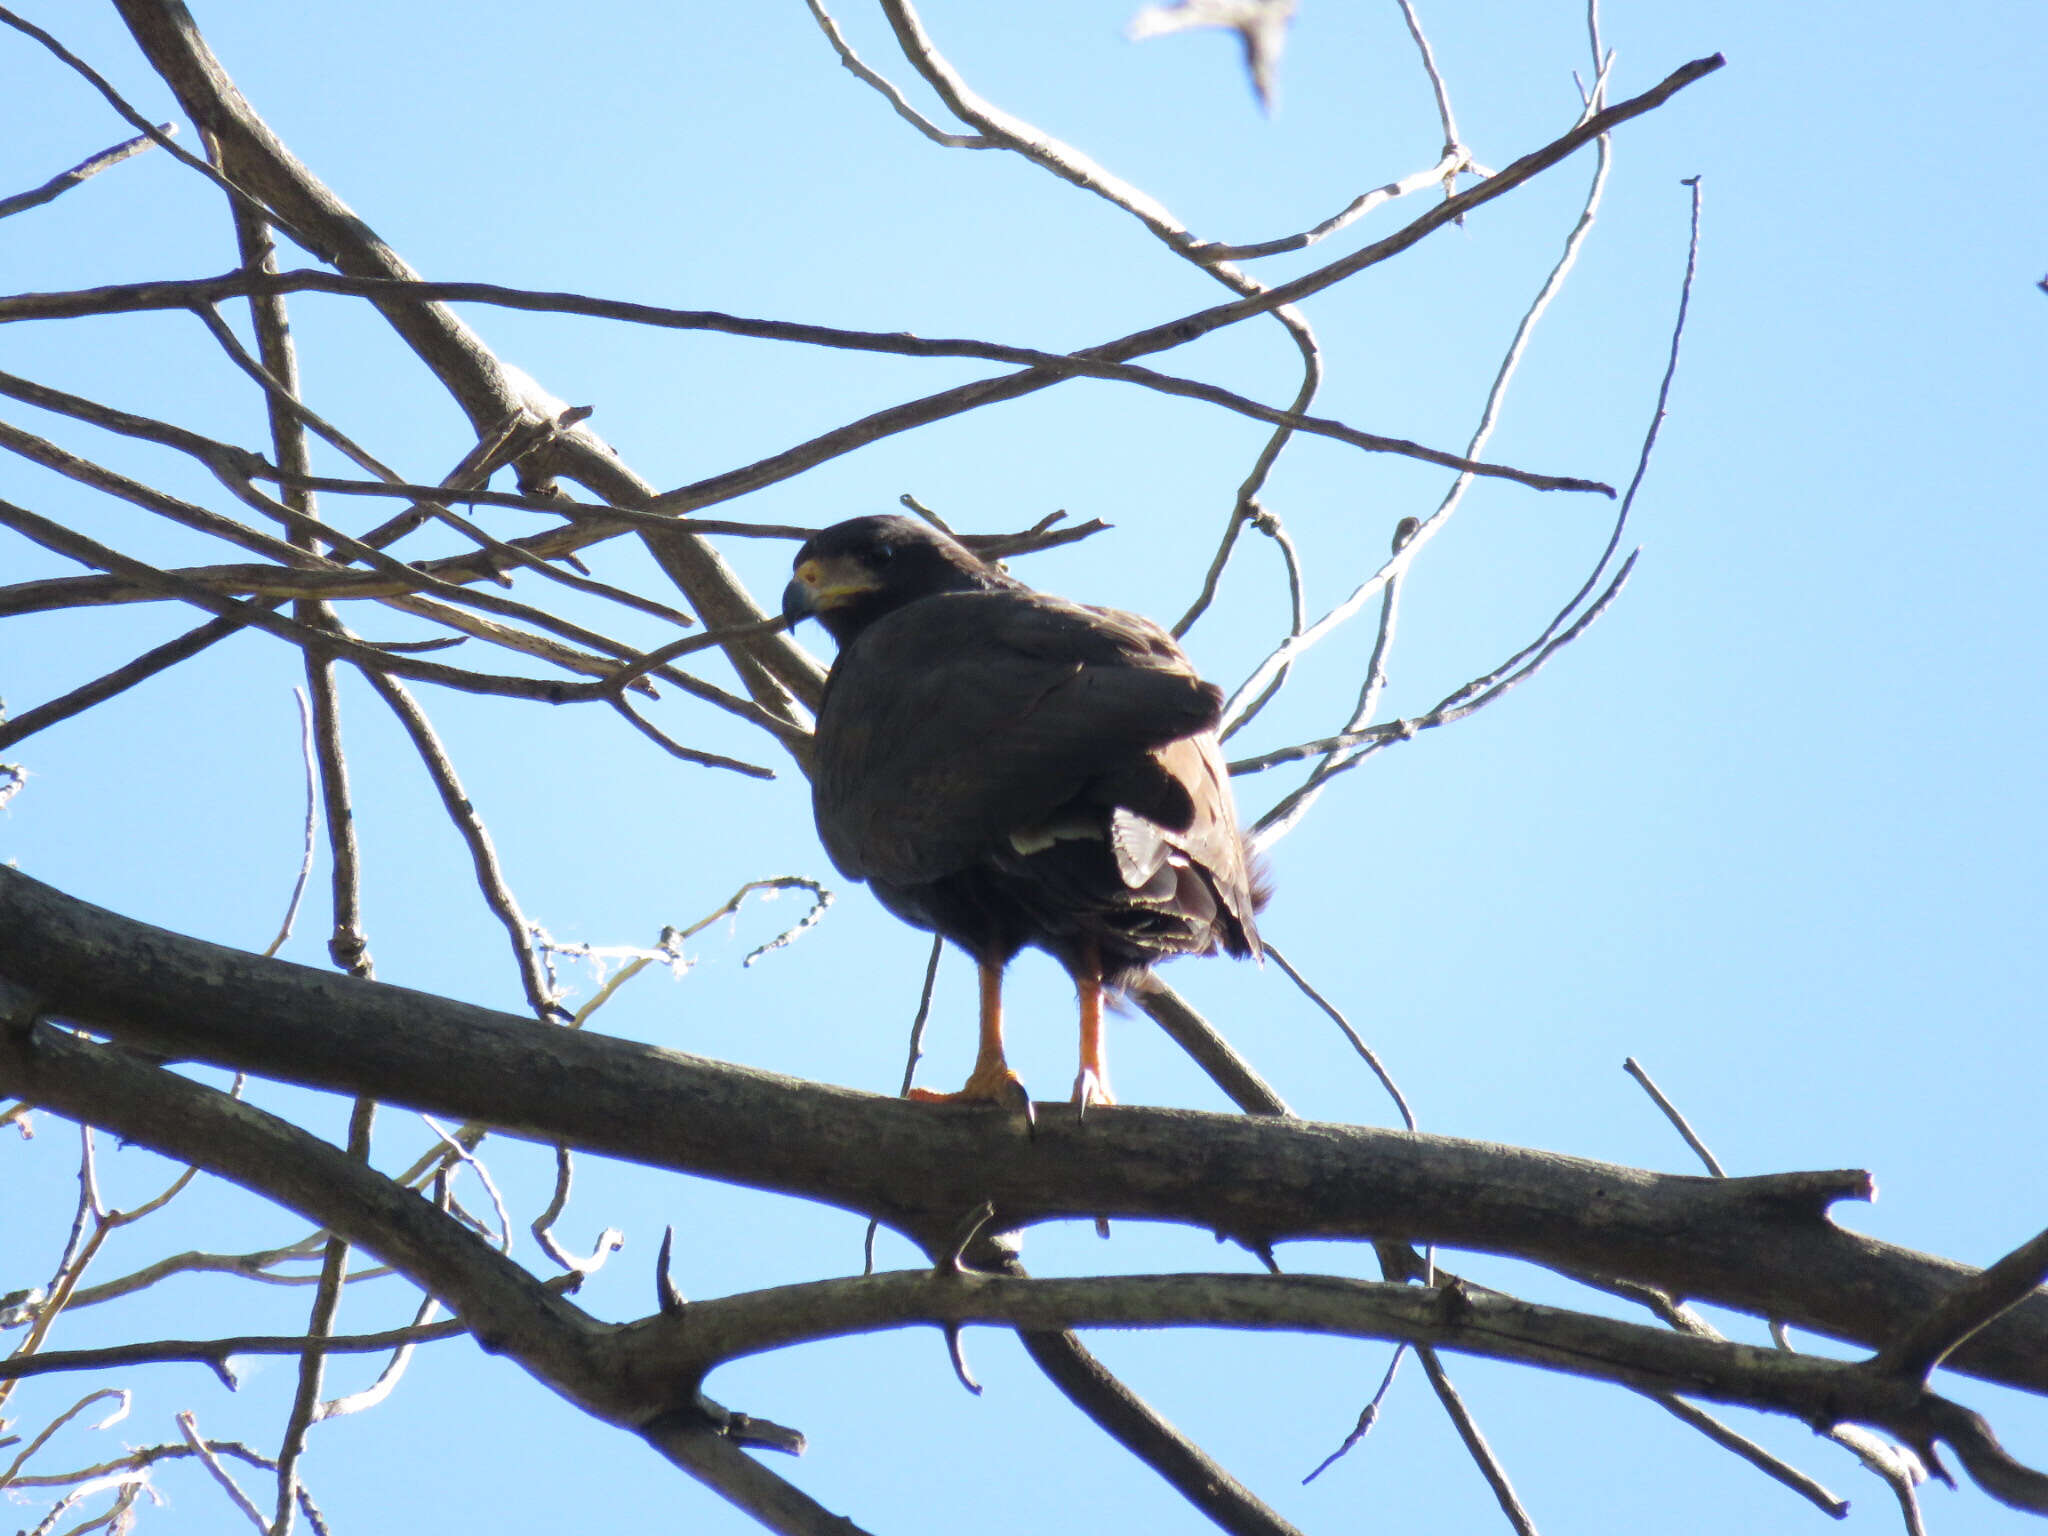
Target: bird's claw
1000 1087
1091 1087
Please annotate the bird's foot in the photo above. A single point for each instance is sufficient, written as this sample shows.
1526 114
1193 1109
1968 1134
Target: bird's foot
1091 1087
995 1084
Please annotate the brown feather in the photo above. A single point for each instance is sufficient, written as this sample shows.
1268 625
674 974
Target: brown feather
1008 768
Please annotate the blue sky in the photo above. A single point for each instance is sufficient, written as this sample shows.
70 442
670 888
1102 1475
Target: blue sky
1774 826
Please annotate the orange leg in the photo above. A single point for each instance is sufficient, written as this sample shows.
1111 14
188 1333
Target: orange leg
1091 1085
991 1081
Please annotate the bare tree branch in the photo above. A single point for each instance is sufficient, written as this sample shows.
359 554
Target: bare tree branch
1759 1244
87 168
1967 1310
1754 1454
1100 363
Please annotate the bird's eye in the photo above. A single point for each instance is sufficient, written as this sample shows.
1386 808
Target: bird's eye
884 553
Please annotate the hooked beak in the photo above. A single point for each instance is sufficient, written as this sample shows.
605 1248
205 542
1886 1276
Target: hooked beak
796 603
822 585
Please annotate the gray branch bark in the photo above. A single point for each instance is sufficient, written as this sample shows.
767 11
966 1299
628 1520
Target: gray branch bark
1762 1245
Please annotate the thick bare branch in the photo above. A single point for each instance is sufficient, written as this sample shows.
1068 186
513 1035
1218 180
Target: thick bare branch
1964 1311
1760 1244
507 1309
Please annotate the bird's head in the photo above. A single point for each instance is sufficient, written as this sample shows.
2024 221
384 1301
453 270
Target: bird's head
853 573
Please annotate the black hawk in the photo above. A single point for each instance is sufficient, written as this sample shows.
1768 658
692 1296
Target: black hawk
1006 768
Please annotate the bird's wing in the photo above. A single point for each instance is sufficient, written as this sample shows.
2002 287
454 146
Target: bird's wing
1208 839
963 718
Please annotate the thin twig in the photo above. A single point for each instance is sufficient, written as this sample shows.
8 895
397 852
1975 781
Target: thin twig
65 1285
346 946
151 131
467 1158
913 1055
1897 1467
249 1266
1366 1052
389 1377
483 854
1444 170
282 392
1475 1442
1806 1487
1286 814
1283 816
1887 1461
217 1352
1207 1048
609 1241
312 1366
189 1427
312 835
893 96
1678 1121
1452 144
121 1399
64 181
676 749
1367 1417
1297 609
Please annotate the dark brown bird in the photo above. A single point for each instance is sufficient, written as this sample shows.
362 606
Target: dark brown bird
1006 768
